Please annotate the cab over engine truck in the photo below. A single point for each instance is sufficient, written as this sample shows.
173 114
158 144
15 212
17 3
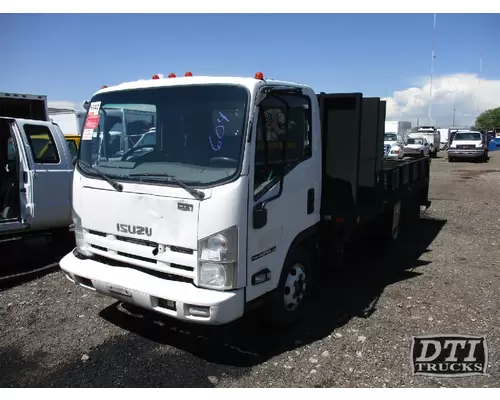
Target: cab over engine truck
246 185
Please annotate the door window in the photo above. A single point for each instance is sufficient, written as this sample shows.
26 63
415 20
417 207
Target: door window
72 147
42 144
270 159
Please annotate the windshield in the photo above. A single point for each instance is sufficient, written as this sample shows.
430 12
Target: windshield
390 137
192 133
467 136
415 141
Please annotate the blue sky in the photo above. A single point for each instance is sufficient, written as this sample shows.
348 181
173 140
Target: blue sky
69 56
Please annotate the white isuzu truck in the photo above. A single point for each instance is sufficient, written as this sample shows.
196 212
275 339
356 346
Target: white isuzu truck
244 188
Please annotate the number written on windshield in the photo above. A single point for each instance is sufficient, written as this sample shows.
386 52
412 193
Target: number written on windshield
222 121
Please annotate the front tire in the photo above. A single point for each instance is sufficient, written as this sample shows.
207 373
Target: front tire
294 288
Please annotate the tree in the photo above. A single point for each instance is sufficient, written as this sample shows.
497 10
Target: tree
489 119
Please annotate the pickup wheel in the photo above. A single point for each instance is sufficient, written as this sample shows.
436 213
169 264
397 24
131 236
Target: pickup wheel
288 300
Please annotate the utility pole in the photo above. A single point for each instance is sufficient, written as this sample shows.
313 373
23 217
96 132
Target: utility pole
479 81
453 122
433 56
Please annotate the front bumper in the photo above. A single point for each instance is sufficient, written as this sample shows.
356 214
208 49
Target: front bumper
413 152
179 300
391 156
466 153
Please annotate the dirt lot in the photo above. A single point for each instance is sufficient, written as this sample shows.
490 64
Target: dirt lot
443 277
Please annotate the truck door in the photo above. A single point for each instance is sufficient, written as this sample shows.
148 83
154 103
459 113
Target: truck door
284 183
14 187
50 175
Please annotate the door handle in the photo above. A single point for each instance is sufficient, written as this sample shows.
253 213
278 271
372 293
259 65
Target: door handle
310 201
23 190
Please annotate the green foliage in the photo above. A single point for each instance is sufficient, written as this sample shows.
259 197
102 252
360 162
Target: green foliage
489 119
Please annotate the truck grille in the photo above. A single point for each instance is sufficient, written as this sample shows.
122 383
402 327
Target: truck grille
175 262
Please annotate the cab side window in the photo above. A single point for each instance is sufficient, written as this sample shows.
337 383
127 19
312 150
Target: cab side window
277 153
42 144
72 147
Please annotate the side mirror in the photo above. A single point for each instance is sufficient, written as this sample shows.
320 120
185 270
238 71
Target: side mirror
259 216
86 105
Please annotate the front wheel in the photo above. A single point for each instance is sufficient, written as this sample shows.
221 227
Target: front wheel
288 300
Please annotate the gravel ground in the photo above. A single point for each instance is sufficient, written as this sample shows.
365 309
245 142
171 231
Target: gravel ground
443 277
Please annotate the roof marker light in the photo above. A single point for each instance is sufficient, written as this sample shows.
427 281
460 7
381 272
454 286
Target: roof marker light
171 75
188 74
155 76
103 87
259 75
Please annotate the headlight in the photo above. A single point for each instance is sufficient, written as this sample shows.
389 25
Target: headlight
81 245
218 260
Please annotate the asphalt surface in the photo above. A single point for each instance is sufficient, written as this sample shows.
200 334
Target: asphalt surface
443 277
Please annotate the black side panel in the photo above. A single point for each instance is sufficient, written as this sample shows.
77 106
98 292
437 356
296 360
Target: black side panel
341 125
381 130
369 152
23 108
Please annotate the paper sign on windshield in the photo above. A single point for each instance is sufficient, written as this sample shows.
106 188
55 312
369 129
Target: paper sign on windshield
94 108
92 122
87 134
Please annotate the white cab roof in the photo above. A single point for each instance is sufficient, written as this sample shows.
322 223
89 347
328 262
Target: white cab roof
249 83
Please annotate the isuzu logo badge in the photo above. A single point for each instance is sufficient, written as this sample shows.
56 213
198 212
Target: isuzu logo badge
134 229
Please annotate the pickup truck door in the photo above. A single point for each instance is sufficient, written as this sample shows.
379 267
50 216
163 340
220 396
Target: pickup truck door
16 154
50 174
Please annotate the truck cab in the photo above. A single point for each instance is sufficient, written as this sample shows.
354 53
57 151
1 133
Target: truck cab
432 136
248 181
468 145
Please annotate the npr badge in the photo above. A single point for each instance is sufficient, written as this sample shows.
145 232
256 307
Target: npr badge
449 356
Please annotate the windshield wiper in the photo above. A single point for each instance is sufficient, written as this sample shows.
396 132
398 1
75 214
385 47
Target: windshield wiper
117 186
170 179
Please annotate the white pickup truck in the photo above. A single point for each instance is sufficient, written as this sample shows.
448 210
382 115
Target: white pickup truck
468 145
36 170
